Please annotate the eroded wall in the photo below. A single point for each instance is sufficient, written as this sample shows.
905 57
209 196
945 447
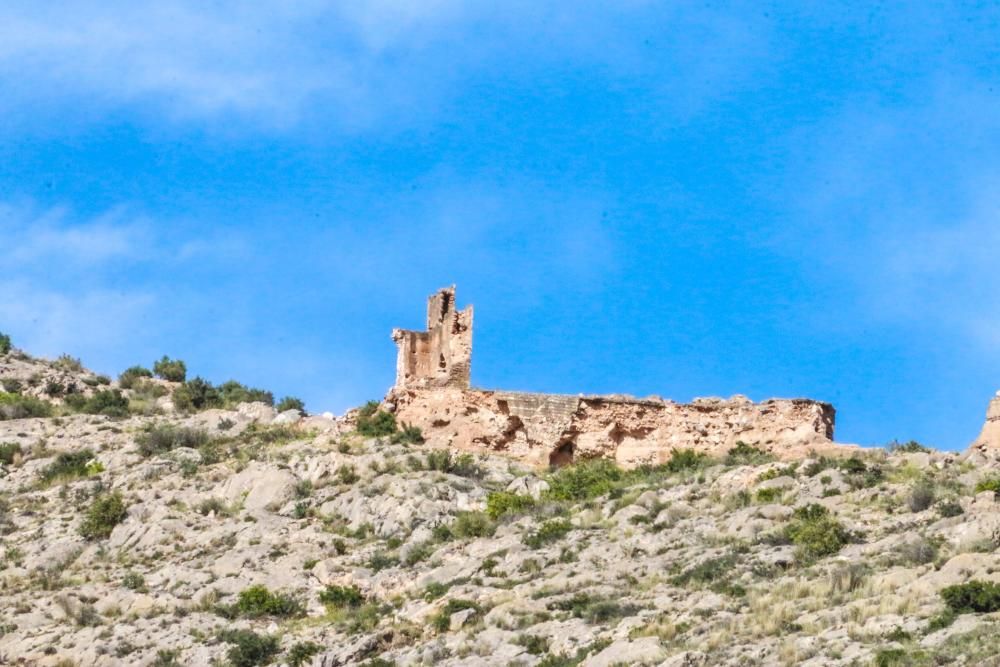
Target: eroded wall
441 356
551 429
432 392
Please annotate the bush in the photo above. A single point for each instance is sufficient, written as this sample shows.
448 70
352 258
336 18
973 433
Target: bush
949 508
911 447
342 596
747 455
291 403
69 465
500 503
408 434
472 524
67 363
584 480
442 460
548 532
5 344
685 459
815 532
249 648
442 620
257 601
769 495
859 474
8 451
158 439
375 423
593 609
233 393
134 581
16 406
128 377
107 402
173 370
980 597
921 497
992 484
104 513
300 653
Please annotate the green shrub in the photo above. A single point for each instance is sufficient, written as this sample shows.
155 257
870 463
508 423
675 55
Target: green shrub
128 377
584 480
921 497
463 465
408 434
134 581
685 459
911 447
161 438
769 495
500 503
375 423
16 406
5 344
173 370
472 524
442 620
105 512
233 393
342 596
549 532
949 508
980 597
301 652
249 648
8 451
743 455
107 402
859 474
592 608
991 484
257 601
67 363
291 403
815 532
380 560
69 465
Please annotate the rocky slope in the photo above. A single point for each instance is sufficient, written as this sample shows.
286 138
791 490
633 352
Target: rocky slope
241 536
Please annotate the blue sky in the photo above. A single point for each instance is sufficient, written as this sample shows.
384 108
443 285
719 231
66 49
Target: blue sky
776 199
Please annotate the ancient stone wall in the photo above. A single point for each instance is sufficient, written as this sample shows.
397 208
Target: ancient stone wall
432 392
440 356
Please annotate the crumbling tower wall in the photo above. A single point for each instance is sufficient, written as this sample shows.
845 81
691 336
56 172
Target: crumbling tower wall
441 356
432 393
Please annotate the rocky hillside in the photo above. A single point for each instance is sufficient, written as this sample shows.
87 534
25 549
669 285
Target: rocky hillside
166 521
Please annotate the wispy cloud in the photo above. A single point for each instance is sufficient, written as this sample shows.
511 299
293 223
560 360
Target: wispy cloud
357 62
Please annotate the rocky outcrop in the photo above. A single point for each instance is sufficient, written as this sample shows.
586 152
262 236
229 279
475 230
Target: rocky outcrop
988 441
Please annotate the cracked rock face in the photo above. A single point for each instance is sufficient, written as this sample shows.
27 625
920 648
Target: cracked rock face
542 429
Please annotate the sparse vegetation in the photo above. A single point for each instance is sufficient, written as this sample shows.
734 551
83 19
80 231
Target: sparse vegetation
291 403
747 455
18 406
501 503
128 378
375 423
973 597
172 370
815 532
547 533
70 465
105 512
257 601
249 648
5 344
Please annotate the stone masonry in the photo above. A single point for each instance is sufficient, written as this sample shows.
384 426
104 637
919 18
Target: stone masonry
432 392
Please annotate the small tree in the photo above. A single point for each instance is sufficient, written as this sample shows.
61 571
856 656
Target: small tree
5 344
290 403
129 376
173 370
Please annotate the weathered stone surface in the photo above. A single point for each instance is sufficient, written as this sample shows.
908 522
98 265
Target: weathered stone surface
432 392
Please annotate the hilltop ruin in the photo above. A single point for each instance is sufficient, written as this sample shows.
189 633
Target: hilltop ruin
433 392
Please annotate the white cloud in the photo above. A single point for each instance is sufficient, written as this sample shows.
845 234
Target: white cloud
48 240
354 62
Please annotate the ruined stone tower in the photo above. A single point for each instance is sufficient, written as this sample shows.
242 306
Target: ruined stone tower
440 356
